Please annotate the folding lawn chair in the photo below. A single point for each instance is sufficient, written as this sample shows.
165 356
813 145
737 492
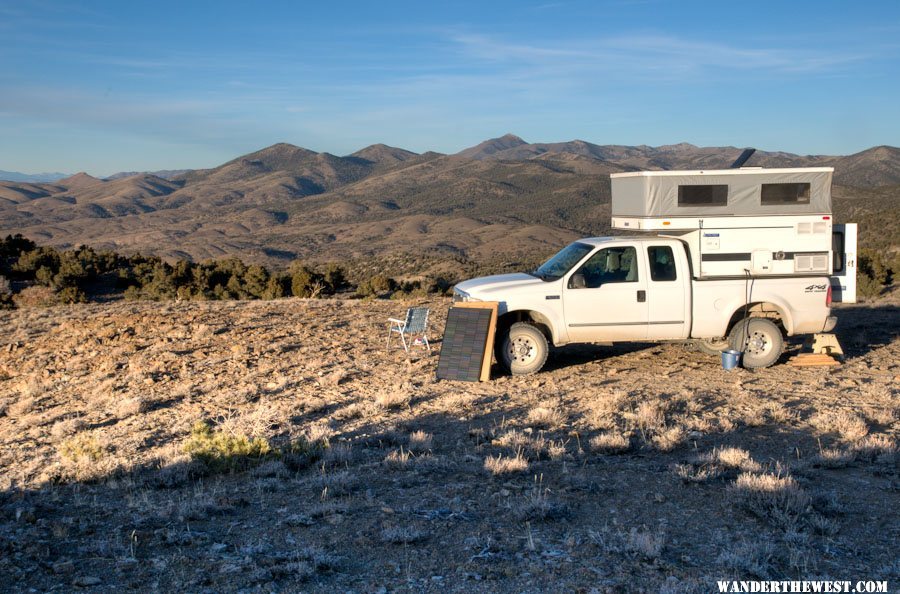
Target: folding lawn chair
415 325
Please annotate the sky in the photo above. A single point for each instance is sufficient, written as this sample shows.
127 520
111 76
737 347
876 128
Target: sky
116 86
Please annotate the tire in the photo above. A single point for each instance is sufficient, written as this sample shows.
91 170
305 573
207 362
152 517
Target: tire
759 340
713 347
523 349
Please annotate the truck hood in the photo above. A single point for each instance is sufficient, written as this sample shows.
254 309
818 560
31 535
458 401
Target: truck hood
485 286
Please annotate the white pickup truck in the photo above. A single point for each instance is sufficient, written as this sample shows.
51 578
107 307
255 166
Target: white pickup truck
636 289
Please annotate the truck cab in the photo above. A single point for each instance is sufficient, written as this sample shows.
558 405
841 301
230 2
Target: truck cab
602 289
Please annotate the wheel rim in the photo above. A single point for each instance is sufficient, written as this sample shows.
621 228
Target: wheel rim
758 344
522 350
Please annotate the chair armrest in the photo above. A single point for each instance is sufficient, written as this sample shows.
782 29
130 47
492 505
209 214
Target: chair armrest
396 321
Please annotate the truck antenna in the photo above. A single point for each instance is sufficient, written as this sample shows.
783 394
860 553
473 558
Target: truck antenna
745 156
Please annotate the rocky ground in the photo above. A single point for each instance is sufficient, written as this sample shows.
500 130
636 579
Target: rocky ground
323 462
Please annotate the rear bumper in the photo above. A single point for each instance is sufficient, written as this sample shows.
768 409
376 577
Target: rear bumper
830 323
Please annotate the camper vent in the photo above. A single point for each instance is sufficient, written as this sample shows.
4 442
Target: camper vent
814 228
811 263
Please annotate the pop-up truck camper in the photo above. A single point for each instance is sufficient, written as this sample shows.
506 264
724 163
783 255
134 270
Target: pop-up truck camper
730 259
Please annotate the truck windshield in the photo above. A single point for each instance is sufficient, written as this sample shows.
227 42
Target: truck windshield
554 268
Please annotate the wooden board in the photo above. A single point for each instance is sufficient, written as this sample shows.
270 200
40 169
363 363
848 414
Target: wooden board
812 360
466 346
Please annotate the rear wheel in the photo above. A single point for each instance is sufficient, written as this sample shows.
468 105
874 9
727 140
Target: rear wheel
523 349
759 340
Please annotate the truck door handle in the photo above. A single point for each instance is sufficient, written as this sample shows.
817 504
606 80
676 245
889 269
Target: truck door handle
642 296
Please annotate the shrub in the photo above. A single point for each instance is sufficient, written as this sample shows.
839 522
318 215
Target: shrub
376 286
335 278
220 451
305 282
71 295
84 447
256 281
35 296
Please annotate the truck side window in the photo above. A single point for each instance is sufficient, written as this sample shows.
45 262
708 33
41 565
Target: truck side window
610 265
662 263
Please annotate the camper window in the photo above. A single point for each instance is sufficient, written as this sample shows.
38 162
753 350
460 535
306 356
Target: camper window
837 248
716 195
774 194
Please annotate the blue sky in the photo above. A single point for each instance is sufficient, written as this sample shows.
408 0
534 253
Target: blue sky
111 86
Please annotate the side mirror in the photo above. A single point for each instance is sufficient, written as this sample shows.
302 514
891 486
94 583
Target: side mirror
577 281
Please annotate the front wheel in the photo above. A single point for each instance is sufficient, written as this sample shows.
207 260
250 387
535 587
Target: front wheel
523 350
759 339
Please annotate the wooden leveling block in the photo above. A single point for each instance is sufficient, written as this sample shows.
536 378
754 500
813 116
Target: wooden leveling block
824 347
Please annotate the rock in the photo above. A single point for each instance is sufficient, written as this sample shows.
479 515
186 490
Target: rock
86 581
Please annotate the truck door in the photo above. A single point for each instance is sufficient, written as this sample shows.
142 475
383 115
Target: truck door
667 292
843 280
605 299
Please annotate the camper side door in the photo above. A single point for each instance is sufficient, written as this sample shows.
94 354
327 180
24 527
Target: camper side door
843 280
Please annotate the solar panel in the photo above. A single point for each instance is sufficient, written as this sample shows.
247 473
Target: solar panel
467 341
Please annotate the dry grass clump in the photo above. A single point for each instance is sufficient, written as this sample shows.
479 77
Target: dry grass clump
876 447
668 439
535 446
509 465
257 422
398 458
403 535
354 410
131 406
21 407
340 454
605 410
610 442
649 416
546 416
84 458
848 426
319 434
749 558
393 399
537 505
697 474
645 542
737 458
67 427
81 448
834 457
221 451
768 494
419 441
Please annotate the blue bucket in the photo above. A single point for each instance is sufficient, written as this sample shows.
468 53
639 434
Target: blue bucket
730 359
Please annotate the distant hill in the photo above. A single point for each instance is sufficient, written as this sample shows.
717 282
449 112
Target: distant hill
163 173
502 200
15 176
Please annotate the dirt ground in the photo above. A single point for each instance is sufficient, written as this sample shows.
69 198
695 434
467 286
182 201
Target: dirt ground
327 463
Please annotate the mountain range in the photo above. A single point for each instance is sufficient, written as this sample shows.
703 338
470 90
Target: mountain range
502 200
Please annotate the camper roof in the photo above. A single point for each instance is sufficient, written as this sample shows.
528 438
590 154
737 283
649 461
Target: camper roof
722 192
741 171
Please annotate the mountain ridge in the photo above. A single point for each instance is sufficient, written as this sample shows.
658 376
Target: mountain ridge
498 199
